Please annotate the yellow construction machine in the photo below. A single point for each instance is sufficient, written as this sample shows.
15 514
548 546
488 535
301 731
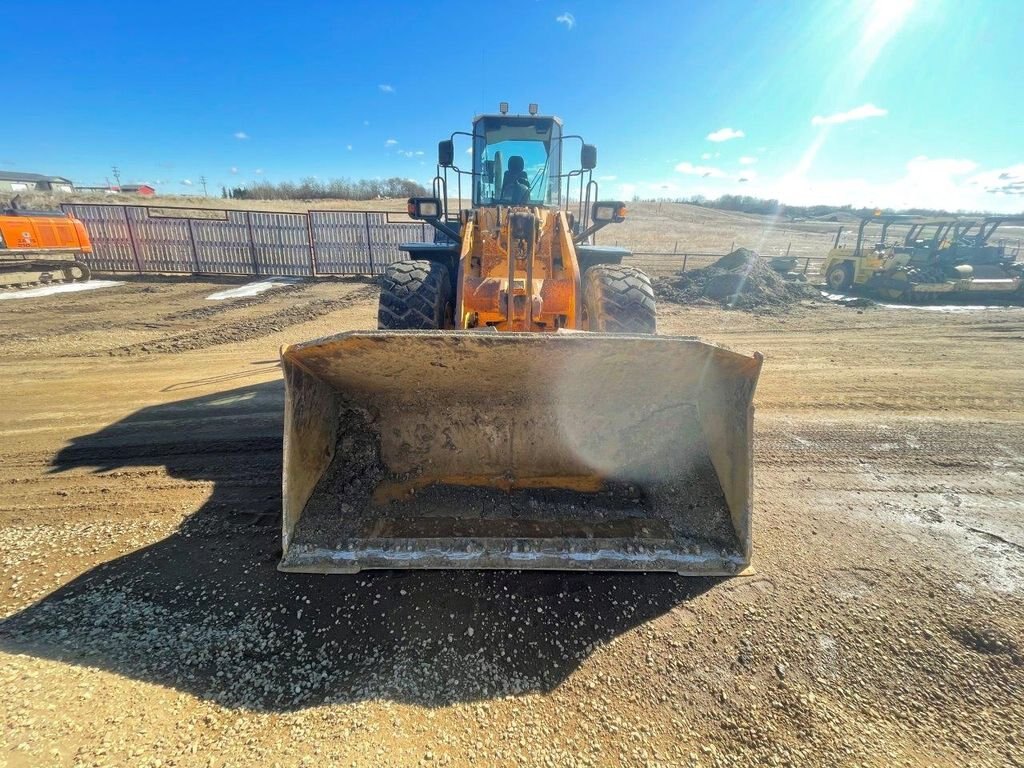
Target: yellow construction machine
935 259
515 408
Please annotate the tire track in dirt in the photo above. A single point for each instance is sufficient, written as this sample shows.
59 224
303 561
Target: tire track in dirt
244 329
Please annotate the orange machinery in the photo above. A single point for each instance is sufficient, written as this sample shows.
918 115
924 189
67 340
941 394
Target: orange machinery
40 247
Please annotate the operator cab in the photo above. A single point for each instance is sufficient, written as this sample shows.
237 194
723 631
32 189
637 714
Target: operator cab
516 160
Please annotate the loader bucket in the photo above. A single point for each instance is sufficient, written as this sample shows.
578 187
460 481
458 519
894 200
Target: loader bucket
474 449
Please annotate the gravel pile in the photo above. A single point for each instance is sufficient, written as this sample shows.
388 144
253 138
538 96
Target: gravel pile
739 280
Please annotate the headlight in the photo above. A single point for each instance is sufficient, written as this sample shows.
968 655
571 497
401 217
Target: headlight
609 212
424 208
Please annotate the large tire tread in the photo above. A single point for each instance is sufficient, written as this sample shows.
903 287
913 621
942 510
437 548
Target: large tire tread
414 295
619 299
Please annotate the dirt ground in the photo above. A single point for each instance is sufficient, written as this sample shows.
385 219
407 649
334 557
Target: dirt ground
145 623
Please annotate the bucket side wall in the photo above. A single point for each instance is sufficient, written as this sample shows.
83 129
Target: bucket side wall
310 433
726 414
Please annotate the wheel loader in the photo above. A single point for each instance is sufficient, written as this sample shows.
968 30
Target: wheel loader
939 258
41 247
515 407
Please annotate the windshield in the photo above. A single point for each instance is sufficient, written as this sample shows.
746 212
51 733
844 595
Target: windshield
516 161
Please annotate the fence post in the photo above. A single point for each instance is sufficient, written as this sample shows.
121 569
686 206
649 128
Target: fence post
685 256
252 245
192 242
788 246
312 243
131 239
369 242
807 264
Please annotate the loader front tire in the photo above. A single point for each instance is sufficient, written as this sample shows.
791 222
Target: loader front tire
415 295
618 299
839 277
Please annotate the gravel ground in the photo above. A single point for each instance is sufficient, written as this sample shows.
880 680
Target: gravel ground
145 623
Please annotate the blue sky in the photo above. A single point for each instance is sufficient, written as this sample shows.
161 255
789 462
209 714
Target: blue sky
888 103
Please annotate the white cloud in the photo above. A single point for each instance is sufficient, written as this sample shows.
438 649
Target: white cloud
927 182
863 112
747 160
568 19
241 135
724 134
1001 181
948 183
705 171
706 156
187 182
348 147
386 88
418 152
259 171
939 167
234 169
469 150
406 152
390 142
607 178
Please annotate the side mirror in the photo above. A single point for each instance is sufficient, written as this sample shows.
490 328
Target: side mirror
588 157
446 153
609 213
424 208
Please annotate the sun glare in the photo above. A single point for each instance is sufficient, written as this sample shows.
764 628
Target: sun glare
883 19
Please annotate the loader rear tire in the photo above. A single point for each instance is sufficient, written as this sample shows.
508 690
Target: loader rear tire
618 299
415 295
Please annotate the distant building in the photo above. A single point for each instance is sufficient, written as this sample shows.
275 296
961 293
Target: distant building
129 189
12 181
137 189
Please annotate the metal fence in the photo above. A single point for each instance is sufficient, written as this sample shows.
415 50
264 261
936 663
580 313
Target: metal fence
172 239
176 239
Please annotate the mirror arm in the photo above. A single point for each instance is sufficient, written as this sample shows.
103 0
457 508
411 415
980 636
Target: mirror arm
583 236
443 227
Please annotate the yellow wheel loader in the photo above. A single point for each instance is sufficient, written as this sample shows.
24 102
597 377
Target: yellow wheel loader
515 407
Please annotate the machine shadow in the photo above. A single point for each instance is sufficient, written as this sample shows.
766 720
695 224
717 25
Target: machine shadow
205 610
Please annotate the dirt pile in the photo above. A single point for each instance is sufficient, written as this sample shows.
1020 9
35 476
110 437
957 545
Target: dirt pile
738 280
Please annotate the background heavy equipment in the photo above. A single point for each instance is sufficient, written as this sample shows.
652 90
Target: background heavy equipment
937 258
515 408
41 247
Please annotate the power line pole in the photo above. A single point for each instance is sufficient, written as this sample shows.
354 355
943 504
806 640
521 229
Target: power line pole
202 180
117 176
